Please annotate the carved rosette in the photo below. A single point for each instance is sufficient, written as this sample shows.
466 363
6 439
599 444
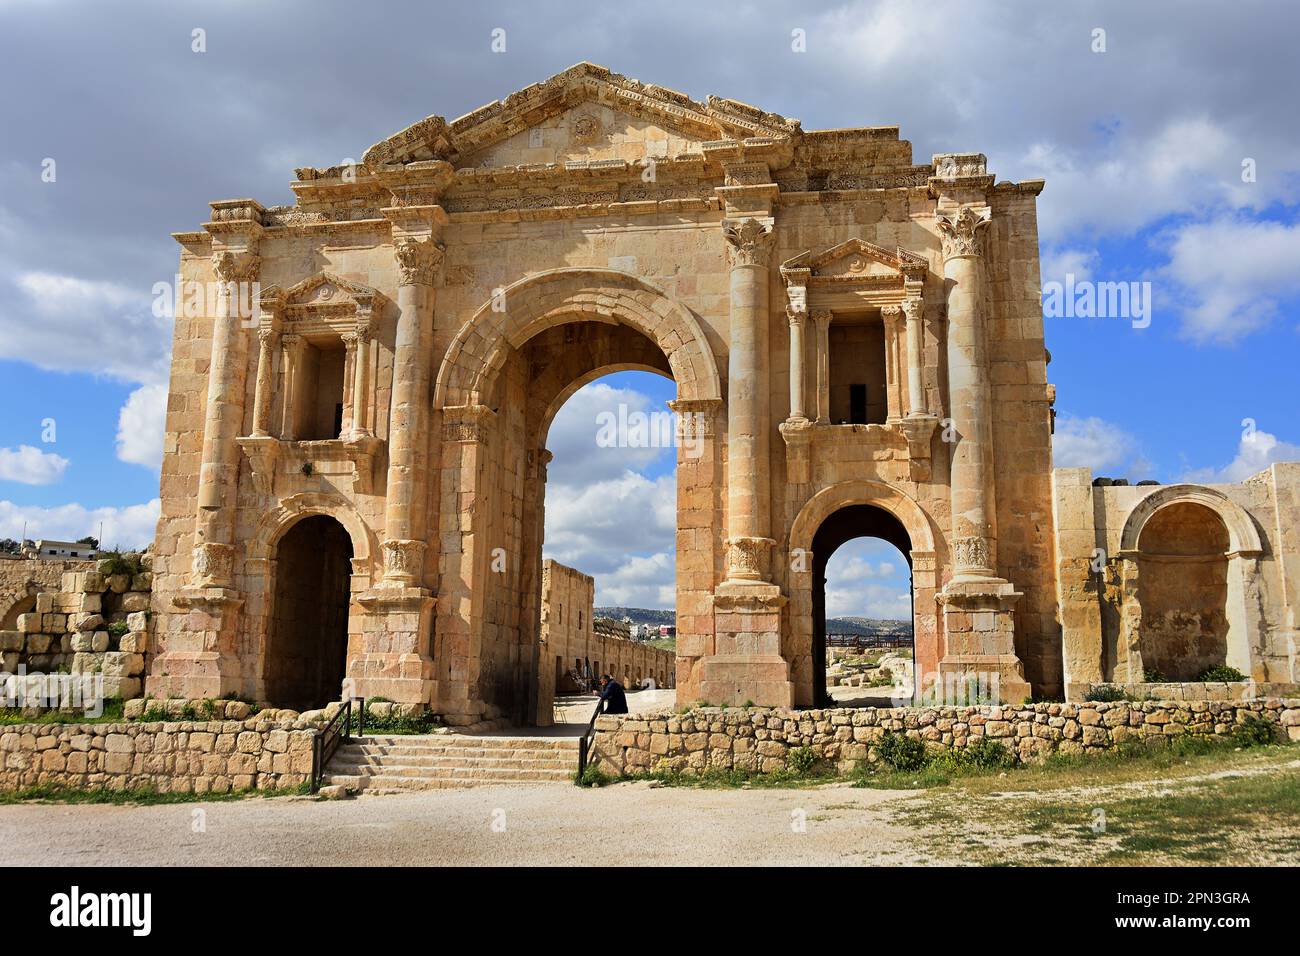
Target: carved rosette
971 554
418 260
403 561
236 266
213 564
747 558
960 231
748 240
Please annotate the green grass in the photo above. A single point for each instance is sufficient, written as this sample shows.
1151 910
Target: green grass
142 796
112 715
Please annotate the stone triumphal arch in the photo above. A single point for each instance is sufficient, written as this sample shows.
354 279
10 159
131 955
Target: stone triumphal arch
856 341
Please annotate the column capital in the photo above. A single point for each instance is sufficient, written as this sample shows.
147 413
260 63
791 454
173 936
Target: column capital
291 341
822 317
267 337
960 230
912 308
418 259
231 266
892 314
749 241
796 317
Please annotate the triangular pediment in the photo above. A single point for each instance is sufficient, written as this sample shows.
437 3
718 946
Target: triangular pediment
584 113
327 290
855 258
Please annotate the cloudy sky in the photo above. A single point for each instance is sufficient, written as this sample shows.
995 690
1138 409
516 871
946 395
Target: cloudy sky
1168 142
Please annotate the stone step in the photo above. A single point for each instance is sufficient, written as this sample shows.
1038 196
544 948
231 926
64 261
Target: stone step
459 777
460 753
450 741
458 773
353 761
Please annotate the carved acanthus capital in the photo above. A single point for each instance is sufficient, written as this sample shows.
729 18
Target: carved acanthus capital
365 326
892 315
822 317
418 260
231 266
748 240
403 561
912 309
266 338
797 317
213 564
960 230
349 340
971 554
747 558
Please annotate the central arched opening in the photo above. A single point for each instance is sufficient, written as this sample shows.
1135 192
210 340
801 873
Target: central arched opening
862 609
308 636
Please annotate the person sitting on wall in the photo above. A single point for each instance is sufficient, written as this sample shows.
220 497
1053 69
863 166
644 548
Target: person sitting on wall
612 696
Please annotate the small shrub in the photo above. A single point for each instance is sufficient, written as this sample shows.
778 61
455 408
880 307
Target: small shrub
117 629
985 754
594 777
1253 732
900 752
1221 672
1152 675
800 761
1105 693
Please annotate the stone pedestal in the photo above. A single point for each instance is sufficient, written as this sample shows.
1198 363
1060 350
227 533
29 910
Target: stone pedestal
200 660
747 666
979 625
395 661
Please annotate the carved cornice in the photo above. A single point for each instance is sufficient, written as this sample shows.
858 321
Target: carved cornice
748 240
960 230
417 260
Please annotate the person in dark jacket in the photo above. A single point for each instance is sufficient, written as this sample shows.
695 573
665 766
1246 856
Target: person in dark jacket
611 693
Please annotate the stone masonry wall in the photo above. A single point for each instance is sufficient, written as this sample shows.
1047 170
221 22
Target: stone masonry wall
760 739
192 757
91 622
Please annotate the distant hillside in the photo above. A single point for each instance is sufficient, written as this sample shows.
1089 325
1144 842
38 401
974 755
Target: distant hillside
638 615
834 625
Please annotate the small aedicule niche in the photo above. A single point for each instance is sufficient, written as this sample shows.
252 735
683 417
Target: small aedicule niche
858 392
322 387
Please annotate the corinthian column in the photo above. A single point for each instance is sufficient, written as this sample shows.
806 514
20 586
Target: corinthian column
749 241
822 319
361 381
267 340
418 261
798 322
915 394
974 527
219 467
979 623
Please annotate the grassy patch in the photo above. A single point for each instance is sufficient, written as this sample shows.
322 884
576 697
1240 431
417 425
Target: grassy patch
142 796
112 715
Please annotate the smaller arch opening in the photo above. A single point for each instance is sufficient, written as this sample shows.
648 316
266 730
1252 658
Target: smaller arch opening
864 578
307 638
1183 592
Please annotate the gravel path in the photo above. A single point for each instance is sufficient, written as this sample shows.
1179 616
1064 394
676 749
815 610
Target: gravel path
537 824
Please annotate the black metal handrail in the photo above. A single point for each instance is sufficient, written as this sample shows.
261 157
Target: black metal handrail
585 740
337 730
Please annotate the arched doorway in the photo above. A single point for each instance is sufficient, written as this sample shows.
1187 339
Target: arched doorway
307 639
506 375
838 529
1183 592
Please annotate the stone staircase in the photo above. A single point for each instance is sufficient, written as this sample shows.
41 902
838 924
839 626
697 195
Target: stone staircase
388 764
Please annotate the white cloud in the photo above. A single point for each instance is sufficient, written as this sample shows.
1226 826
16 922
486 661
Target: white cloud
66 323
140 426
1058 263
1256 451
128 527
1100 445
860 583
31 466
572 439
1231 274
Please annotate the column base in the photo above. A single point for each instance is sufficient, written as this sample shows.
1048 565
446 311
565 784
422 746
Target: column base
746 666
200 659
979 627
395 639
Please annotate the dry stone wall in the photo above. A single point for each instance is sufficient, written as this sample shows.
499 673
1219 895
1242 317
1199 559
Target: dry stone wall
760 740
215 756
95 622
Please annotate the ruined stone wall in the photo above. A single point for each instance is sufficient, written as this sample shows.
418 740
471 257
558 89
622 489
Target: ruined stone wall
1219 572
760 739
192 757
91 622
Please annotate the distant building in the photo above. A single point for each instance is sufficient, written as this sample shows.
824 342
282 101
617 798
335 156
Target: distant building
667 630
51 550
